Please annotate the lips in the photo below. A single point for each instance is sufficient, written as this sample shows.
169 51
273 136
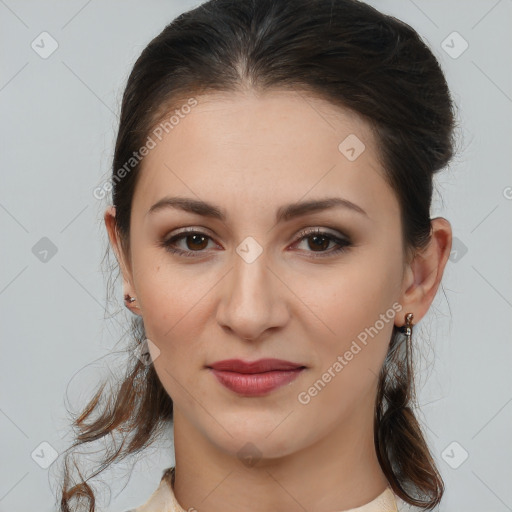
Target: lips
255 378
260 366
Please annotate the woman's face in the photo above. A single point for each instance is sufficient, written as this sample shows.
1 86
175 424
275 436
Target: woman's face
255 284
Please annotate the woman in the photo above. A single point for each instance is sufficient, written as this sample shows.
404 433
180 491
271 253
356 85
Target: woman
272 183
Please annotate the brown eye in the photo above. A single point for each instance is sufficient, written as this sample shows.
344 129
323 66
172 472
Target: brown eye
318 241
194 243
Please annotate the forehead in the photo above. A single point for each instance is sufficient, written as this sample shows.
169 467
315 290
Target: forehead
262 149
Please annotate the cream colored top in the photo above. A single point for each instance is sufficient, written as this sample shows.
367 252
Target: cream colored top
163 500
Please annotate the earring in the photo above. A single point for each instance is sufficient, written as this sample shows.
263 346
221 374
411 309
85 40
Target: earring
407 330
128 300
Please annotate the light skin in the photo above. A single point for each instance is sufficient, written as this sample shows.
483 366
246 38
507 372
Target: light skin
249 155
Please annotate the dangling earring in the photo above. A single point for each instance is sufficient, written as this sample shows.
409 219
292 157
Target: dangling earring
128 300
407 330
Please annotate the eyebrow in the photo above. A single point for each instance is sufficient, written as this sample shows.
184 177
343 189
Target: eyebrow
284 213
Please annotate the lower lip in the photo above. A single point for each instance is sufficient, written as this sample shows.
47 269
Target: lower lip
255 384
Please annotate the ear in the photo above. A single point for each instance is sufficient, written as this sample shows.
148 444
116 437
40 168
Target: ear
423 275
124 264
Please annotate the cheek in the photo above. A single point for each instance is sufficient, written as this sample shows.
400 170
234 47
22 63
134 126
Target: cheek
172 324
350 354
346 299
169 291
172 307
176 308
353 318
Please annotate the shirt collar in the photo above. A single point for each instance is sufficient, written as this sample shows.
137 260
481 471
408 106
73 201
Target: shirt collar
163 499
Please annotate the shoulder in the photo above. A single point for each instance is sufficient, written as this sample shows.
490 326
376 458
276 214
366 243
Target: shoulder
403 506
162 499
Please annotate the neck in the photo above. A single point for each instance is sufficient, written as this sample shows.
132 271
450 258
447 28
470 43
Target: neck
339 472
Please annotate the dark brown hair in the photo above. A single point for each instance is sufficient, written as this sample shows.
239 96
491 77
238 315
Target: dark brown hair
350 54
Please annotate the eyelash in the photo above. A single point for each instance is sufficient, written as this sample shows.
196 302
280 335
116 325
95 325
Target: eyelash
343 244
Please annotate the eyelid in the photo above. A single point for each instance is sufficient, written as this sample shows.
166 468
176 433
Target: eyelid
189 230
302 233
340 239
323 230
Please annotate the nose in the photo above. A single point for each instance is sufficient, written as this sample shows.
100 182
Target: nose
253 300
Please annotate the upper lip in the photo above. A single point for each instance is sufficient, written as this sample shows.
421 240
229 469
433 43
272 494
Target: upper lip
259 366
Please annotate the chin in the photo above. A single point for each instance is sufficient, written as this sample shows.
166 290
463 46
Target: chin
254 445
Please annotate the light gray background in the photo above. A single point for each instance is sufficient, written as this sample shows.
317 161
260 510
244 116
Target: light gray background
58 123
